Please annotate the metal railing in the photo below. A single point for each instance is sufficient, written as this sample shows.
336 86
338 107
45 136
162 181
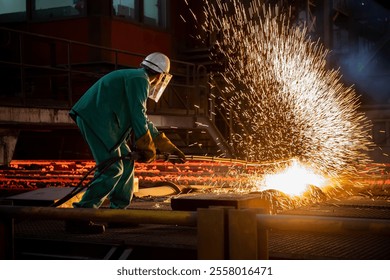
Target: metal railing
40 70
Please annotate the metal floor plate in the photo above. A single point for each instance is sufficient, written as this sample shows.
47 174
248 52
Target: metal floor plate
314 246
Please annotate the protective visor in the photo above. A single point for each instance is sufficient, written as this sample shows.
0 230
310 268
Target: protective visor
158 88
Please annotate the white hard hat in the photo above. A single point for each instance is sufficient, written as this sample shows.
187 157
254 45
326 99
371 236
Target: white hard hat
157 61
160 63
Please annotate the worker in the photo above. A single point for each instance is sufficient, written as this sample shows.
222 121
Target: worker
107 114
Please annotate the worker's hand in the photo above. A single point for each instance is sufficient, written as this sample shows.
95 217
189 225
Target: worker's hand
145 148
164 145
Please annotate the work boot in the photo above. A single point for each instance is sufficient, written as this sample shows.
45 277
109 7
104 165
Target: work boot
87 227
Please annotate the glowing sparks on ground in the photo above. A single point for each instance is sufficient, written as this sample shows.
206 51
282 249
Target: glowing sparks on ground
294 180
284 101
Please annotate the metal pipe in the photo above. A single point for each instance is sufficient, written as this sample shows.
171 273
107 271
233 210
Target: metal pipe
140 216
323 224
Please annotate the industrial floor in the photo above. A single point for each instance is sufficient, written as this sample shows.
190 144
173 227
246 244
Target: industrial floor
49 240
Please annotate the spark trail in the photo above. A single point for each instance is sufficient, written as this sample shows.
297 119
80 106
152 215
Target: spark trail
284 101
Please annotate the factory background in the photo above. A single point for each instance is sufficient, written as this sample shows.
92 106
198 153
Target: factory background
51 52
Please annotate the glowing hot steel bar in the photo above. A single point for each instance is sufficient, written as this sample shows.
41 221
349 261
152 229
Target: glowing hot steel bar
201 182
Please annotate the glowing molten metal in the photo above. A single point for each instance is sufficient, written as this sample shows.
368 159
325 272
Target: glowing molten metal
294 180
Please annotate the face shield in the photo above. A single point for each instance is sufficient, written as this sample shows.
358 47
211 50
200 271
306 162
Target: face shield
158 88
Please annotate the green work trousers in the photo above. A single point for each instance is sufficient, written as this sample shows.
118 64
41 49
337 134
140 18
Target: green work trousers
115 182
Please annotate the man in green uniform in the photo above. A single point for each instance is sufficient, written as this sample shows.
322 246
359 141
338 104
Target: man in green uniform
106 114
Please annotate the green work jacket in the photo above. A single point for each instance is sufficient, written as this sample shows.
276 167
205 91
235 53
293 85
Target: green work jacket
115 105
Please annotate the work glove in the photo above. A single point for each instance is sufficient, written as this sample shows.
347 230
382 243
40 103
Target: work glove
145 148
164 145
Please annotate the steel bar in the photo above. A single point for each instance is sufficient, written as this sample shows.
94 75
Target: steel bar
140 216
235 161
323 224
